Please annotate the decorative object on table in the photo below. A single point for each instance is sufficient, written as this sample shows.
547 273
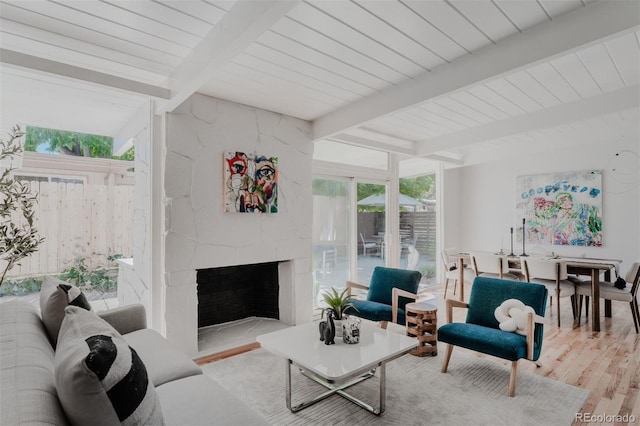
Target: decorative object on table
250 183
327 330
512 254
620 283
337 304
351 330
562 208
524 253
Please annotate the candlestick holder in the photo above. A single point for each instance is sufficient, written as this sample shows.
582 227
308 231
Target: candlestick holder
512 254
523 239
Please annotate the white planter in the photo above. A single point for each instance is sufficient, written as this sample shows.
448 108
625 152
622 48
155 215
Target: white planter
338 324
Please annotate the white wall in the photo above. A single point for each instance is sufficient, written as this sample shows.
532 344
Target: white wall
198 234
134 278
486 197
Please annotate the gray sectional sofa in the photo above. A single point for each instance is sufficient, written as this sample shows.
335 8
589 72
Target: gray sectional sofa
28 393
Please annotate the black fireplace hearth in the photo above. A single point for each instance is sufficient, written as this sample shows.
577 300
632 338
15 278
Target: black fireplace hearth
236 292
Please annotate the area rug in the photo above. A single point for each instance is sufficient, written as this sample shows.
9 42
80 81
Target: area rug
473 391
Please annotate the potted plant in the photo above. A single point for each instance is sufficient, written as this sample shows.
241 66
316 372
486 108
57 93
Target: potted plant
18 235
337 303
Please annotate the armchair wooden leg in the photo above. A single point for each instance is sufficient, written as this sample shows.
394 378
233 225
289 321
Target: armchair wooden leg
447 357
446 286
514 378
383 324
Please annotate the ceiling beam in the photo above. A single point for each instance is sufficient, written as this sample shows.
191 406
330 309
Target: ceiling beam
445 159
372 144
590 24
34 63
582 109
243 24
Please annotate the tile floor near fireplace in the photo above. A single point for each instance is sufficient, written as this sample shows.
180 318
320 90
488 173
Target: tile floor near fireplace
218 338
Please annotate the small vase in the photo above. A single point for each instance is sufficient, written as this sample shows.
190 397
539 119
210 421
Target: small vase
338 327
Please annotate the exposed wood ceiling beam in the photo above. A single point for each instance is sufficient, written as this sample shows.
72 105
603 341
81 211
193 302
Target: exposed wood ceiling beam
244 23
593 23
445 159
377 136
582 109
370 143
21 60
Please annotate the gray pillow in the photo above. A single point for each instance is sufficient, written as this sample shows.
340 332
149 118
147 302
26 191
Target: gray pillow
56 295
100 380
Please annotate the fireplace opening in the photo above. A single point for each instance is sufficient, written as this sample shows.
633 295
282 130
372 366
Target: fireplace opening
236 292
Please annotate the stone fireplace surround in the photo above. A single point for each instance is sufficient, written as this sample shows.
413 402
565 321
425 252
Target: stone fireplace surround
197 232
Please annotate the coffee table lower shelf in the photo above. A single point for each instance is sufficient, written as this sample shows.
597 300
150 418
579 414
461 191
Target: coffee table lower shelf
338 388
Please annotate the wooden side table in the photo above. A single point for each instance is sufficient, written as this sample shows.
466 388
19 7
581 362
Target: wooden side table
422 323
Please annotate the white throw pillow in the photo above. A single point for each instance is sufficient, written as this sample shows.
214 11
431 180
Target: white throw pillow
512 316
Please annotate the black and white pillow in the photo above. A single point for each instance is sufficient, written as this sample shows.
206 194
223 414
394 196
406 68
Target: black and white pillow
55 295
100 379
75 296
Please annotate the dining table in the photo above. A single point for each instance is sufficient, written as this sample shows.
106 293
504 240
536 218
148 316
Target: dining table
591 267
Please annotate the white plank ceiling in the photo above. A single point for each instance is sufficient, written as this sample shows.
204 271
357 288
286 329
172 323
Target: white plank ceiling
459 80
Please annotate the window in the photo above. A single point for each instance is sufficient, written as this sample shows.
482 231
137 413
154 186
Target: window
330 234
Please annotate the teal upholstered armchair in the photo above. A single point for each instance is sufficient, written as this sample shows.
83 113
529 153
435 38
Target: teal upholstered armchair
481 331
388 292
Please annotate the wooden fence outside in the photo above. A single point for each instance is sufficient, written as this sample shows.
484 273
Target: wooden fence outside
79 220
423 224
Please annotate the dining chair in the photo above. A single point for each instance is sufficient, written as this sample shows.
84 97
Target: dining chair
451 271
492 265
551 273
389 290
367 245
413 258
609 291
406 245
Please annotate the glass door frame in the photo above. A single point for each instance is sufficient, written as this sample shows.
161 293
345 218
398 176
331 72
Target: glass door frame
388 178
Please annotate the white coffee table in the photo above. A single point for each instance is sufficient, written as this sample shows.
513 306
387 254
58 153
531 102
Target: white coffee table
337 366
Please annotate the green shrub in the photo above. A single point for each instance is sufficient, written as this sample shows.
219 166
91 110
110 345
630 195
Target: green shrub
102 279
20 286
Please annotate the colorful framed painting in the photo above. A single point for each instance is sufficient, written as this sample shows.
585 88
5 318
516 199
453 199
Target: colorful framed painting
561 208
250 183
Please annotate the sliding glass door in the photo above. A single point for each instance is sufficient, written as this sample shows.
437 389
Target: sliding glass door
417 225
371 229
330 238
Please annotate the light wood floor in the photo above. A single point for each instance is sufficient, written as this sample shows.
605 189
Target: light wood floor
607 363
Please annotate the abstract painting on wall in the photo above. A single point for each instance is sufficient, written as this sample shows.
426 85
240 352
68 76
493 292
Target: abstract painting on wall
250 183
561 208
